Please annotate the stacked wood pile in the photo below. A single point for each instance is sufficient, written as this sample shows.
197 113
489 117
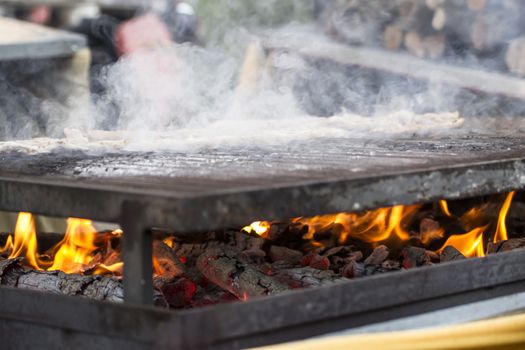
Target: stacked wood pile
475 30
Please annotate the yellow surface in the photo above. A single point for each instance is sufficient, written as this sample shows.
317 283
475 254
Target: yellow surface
500 333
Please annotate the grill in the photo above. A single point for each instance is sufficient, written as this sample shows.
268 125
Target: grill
200 191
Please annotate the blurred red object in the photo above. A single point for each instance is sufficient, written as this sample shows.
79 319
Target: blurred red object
140 33
40 14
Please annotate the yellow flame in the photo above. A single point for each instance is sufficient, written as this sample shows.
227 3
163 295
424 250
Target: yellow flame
469 244
259 227
76 249
443 205
501 231
24 242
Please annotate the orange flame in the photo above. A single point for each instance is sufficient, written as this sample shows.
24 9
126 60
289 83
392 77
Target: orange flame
469 244
443 205
24 242
77 248
501 231
371 226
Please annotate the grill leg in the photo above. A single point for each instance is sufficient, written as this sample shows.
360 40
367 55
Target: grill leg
137 255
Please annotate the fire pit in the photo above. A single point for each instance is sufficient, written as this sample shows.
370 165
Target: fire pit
188 196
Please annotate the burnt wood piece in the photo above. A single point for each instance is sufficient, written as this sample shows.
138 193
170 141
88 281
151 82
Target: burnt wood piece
227 239
451 254
13 274
166 263
505 246
307 277
258 322
227 271
278 253
378 256
415 257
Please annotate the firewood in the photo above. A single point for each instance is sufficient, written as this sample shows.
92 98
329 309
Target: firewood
515 57
414 44
13 274
278 253
440 19
253 256
476 5
307 277
393 37
228 239
451 254
167 265
356 269
226 270
505 246
434 4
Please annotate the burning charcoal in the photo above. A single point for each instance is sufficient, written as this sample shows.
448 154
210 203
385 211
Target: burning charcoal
505 246
353 270
391 265
167 265
414 257
379 255
180 293
316 261
336 251
278 253
451 254
223 268
253 256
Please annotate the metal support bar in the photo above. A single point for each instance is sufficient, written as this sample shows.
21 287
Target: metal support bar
137 255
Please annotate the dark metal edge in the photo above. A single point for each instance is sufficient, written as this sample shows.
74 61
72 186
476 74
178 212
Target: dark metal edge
226 210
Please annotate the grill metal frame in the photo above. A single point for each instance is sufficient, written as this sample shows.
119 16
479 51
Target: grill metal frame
419 172
48 186
64 322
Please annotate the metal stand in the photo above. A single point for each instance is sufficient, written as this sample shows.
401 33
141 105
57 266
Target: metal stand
137 255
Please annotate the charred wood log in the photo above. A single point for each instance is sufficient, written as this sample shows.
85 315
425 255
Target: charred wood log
308 277
506 246
166 264
278 253
226 270
13 274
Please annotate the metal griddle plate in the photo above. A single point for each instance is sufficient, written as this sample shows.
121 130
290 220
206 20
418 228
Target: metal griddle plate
217 189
